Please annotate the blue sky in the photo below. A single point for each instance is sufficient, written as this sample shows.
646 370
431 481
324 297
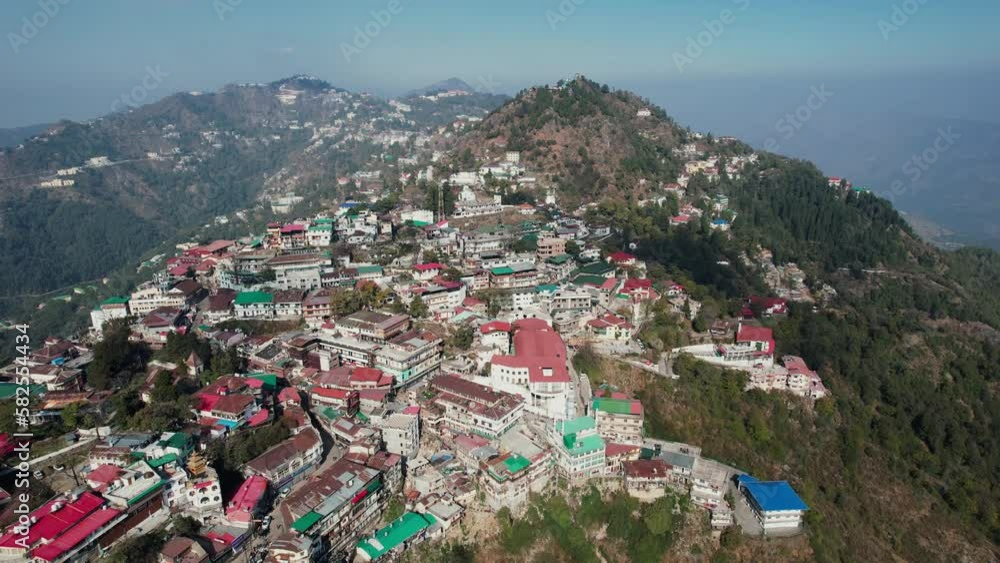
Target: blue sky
89 53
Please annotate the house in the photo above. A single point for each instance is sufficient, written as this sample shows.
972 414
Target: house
293 548
428 271
638 290
495 335
610 327
157 324
344 400
764 306
180 549
646 475
220 306
622 259
536 370
111 308
248 502
774 504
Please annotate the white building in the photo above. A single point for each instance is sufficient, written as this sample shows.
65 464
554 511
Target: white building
579 449
774 504
401 434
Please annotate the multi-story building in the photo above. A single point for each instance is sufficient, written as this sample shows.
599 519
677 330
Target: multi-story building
549 247
401 434
109 309
442 298
579 448
410 356
350 349
515 276
408 529
316 307
152 297
570 299
536 370
373 326
254 305
509 479
289 461
476 408
297 271
336 506
774 504
619 420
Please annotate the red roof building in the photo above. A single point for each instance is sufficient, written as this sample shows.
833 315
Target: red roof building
622 259
537 369
244 504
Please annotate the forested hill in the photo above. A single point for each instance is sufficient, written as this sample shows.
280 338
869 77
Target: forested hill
178 163
586 139
903 461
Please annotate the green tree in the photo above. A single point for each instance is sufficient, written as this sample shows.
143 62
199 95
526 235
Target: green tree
70 416
418 309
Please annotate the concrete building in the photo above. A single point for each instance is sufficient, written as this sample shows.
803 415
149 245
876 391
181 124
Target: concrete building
476 408
774 504
579 449
410 356
401 434
536 370
618 420
297 271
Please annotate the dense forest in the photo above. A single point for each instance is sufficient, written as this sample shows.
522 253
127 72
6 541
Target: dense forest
910 352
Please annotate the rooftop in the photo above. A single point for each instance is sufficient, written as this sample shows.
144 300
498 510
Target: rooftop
396 533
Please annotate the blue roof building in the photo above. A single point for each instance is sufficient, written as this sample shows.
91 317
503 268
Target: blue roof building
776 506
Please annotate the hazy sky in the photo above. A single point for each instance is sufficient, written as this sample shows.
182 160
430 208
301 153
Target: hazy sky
79 60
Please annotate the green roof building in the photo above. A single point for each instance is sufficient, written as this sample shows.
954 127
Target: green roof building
579 448
248 298
400 533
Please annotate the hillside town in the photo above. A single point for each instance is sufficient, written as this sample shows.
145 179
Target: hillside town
415 362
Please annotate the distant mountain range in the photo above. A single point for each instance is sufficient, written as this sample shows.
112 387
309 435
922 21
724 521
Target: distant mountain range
442 86
177 163
16 135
